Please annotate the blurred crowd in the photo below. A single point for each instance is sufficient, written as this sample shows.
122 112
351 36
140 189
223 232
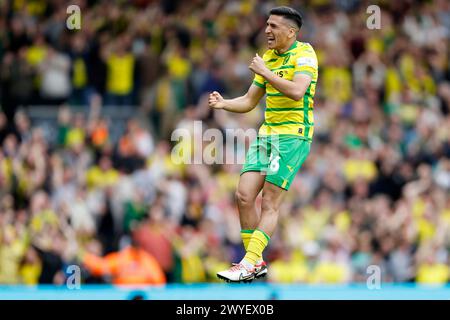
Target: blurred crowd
374 190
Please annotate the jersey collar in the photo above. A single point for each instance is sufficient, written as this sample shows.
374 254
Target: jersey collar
294 45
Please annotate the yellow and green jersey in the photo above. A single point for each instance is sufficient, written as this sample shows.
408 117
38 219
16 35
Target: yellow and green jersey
283 115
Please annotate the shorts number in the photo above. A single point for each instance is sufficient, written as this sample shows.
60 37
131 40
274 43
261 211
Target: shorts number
274 163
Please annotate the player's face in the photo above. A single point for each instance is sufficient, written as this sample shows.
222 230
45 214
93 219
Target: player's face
278 32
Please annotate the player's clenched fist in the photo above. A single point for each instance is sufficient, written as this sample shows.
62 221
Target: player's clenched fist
215 100
257 65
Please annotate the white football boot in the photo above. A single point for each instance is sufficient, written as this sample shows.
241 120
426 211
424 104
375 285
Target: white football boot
237 273
260 269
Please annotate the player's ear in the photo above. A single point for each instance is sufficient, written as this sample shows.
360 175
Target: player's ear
293 33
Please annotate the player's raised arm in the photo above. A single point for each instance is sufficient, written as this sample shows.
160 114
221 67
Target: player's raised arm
294 89
241 104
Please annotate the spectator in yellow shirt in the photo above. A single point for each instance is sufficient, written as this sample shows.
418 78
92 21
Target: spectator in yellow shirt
30 268
432 272
290 268
120 73
102 175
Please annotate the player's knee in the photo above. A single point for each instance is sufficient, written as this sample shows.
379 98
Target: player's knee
244 198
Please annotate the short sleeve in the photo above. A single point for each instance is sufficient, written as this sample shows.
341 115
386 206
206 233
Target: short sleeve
259 81
306 62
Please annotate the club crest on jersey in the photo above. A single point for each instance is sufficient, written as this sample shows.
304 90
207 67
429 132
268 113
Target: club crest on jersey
286 59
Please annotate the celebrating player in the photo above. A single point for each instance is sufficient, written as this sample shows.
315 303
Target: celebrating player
287 74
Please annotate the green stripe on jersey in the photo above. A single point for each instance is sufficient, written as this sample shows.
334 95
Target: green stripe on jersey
283 109
283 67
305 110
274 124
258 84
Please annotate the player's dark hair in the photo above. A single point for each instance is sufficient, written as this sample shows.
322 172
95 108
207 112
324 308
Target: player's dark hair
288 13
